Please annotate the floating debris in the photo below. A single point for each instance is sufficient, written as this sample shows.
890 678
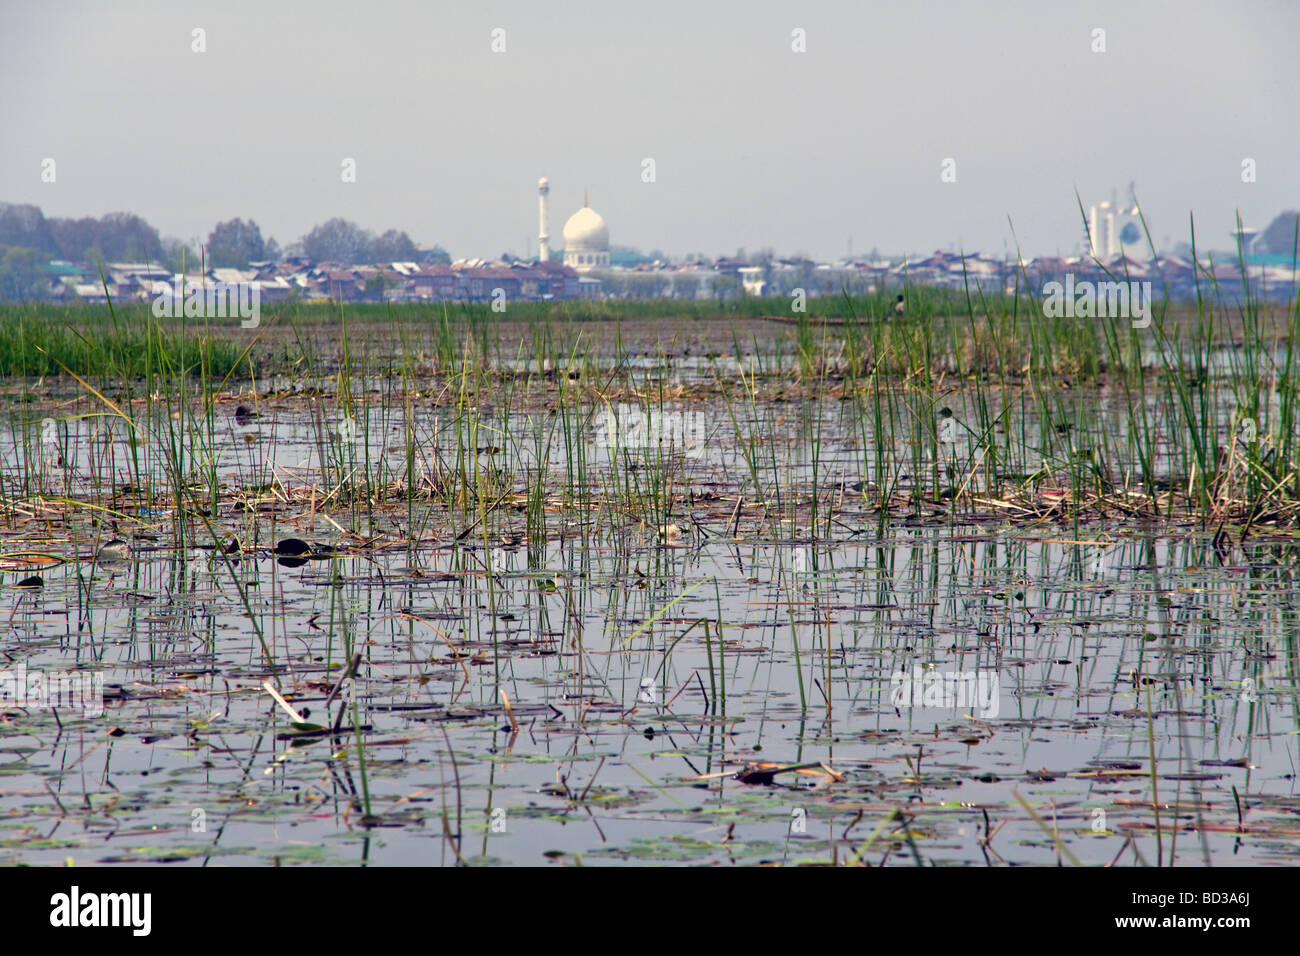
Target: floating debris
291 547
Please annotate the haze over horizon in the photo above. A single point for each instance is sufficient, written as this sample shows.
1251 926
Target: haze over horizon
754 145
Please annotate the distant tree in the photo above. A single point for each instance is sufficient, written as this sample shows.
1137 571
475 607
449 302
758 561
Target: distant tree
21 276
806 269
724 287
26 226
234 244
393 246
174 251
271 251
647 285
1280 236
124 236
338 241
437 255
117 237
75 238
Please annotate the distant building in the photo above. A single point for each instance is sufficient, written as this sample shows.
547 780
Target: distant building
434 282
628 259
586 240
752 280
1116 230
694 282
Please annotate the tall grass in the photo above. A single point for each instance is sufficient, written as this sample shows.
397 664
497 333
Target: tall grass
968 401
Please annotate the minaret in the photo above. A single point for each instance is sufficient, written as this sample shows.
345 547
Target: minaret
543 238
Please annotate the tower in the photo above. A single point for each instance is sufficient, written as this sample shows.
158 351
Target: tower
543 237
1117 230
1243 237
1101 230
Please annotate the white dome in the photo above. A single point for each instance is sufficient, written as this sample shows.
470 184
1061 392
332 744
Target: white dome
586 232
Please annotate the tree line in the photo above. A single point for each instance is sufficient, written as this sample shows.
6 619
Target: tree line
126 237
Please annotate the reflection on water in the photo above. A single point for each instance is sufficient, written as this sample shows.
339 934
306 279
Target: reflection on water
590 690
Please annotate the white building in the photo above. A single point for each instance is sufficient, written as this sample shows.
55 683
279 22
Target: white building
751 280
586 240
1114 229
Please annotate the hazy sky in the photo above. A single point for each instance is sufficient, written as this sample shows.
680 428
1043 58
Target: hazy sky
754 144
